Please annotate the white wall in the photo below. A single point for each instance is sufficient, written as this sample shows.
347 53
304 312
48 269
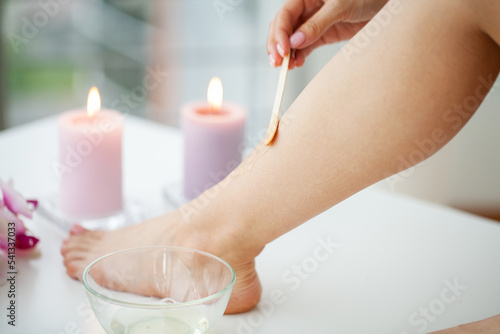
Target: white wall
466 172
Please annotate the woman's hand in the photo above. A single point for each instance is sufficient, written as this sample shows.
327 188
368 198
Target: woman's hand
307 24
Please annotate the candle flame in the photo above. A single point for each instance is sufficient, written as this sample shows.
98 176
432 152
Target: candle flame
215 93
93 102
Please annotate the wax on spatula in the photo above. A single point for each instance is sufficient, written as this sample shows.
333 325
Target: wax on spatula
274 123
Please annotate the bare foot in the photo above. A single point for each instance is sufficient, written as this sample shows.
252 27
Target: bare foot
486 326
83 247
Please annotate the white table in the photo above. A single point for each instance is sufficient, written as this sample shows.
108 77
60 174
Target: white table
389 268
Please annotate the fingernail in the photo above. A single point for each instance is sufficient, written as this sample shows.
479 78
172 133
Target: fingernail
297 39
77 229
272 60
280 50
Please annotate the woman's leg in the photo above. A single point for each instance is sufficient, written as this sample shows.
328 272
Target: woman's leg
394 88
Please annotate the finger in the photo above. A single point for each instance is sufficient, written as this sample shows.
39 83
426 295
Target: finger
271 44
287 20
308 50
298 61
291 64
300 58
301 55
314 28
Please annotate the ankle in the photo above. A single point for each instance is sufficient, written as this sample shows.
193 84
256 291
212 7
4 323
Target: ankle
215 231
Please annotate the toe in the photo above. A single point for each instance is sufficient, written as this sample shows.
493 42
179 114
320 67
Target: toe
77 242
77 229
75 269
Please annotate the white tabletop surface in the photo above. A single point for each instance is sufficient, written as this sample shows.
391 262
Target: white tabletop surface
376 263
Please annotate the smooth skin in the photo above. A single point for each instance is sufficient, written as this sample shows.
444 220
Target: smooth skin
346 130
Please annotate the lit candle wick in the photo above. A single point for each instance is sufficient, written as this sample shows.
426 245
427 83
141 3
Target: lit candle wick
93 103
215 95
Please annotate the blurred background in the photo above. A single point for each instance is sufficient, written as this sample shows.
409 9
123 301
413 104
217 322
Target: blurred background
149 56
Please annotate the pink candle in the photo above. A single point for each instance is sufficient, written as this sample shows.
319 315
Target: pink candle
90 160
213 138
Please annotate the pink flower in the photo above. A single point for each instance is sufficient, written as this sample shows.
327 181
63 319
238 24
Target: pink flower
13 204
14 201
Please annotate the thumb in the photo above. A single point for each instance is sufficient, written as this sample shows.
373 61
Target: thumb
312 30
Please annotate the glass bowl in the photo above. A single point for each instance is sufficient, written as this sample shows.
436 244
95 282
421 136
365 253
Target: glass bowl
158 290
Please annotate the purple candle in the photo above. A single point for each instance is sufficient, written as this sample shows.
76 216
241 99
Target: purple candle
213 138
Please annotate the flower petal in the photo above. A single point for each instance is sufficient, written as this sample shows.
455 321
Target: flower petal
3 244
10 217
24 241
14 201
3 265
34 203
